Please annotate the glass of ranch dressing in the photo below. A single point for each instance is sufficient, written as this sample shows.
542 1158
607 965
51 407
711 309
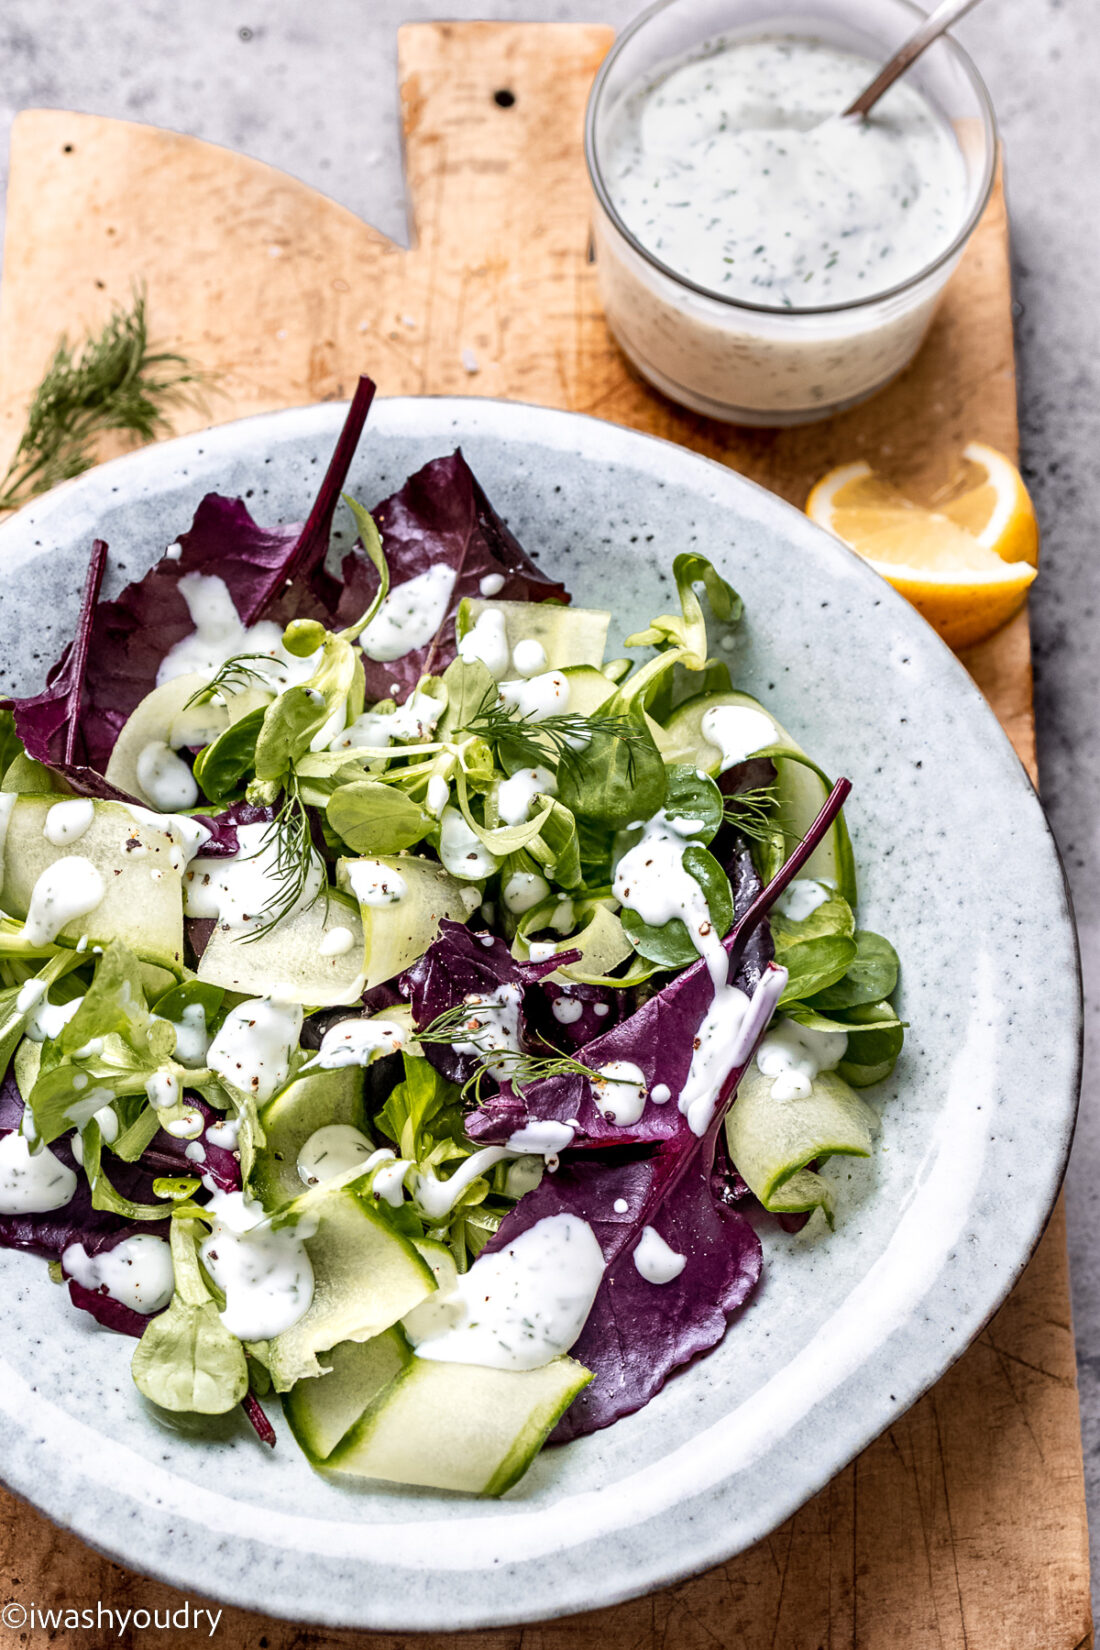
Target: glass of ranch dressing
760 259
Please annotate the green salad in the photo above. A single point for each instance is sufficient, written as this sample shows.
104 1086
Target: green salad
408 1011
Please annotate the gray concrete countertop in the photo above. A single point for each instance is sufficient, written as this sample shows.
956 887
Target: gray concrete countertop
313 89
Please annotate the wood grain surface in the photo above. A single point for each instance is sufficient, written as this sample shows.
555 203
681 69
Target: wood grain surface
963 1527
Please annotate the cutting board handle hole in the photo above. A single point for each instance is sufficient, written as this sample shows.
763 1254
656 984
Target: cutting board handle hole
504 99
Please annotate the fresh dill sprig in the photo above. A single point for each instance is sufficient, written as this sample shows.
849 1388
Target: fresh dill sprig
289 835
465 1021
110 381
566 735
232 677
753 812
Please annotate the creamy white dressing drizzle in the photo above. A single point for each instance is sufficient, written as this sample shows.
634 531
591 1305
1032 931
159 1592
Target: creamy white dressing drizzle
336 942
656 1260
137 1272
737 170
389 1180
523 1306
439 794
461 850
165 777
543 1137
486 642
48 1019
415 720
737 731
163 1089
186 835
356 1043
187 1127
801 899
491 584
438 1197
255 1044
224 1133
69 888
373 882
528 657
651 879
240 891
67 822
567 1010
619 1090
192 1036
538 698
32 1181
265 1274
331 1151
724 1040
219 635
492 1024
795 1055
515 795
410 615
523 890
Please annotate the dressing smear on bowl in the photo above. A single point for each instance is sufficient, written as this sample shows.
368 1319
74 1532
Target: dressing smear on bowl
738 172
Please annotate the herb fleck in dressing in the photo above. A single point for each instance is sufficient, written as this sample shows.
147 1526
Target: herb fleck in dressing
524 1305
737 170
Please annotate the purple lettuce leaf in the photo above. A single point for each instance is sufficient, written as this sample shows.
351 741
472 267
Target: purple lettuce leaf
107 1311
112 664
222 842
460 964
639 1332
584 1012
439 515
657 1038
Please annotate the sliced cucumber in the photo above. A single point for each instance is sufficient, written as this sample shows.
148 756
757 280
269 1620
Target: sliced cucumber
310 1103
292 953
153 720
771 1141
567 635
365 1277
142 903
802 787
320 1412
164 716
28 1058
588 689
418 894
459 1426
600 938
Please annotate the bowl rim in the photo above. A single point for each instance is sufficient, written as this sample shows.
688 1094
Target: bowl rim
852 306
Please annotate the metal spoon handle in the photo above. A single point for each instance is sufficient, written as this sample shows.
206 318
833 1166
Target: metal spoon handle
933 26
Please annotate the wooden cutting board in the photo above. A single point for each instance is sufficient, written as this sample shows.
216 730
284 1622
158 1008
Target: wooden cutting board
963 1527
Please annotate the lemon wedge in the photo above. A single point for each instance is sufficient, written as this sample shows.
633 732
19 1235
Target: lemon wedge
965 559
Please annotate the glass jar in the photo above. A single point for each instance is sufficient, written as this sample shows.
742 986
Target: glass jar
761 364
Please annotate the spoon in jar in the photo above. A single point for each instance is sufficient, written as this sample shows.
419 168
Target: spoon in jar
933 26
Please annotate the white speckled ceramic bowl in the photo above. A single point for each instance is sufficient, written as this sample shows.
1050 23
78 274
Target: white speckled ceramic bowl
957 865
